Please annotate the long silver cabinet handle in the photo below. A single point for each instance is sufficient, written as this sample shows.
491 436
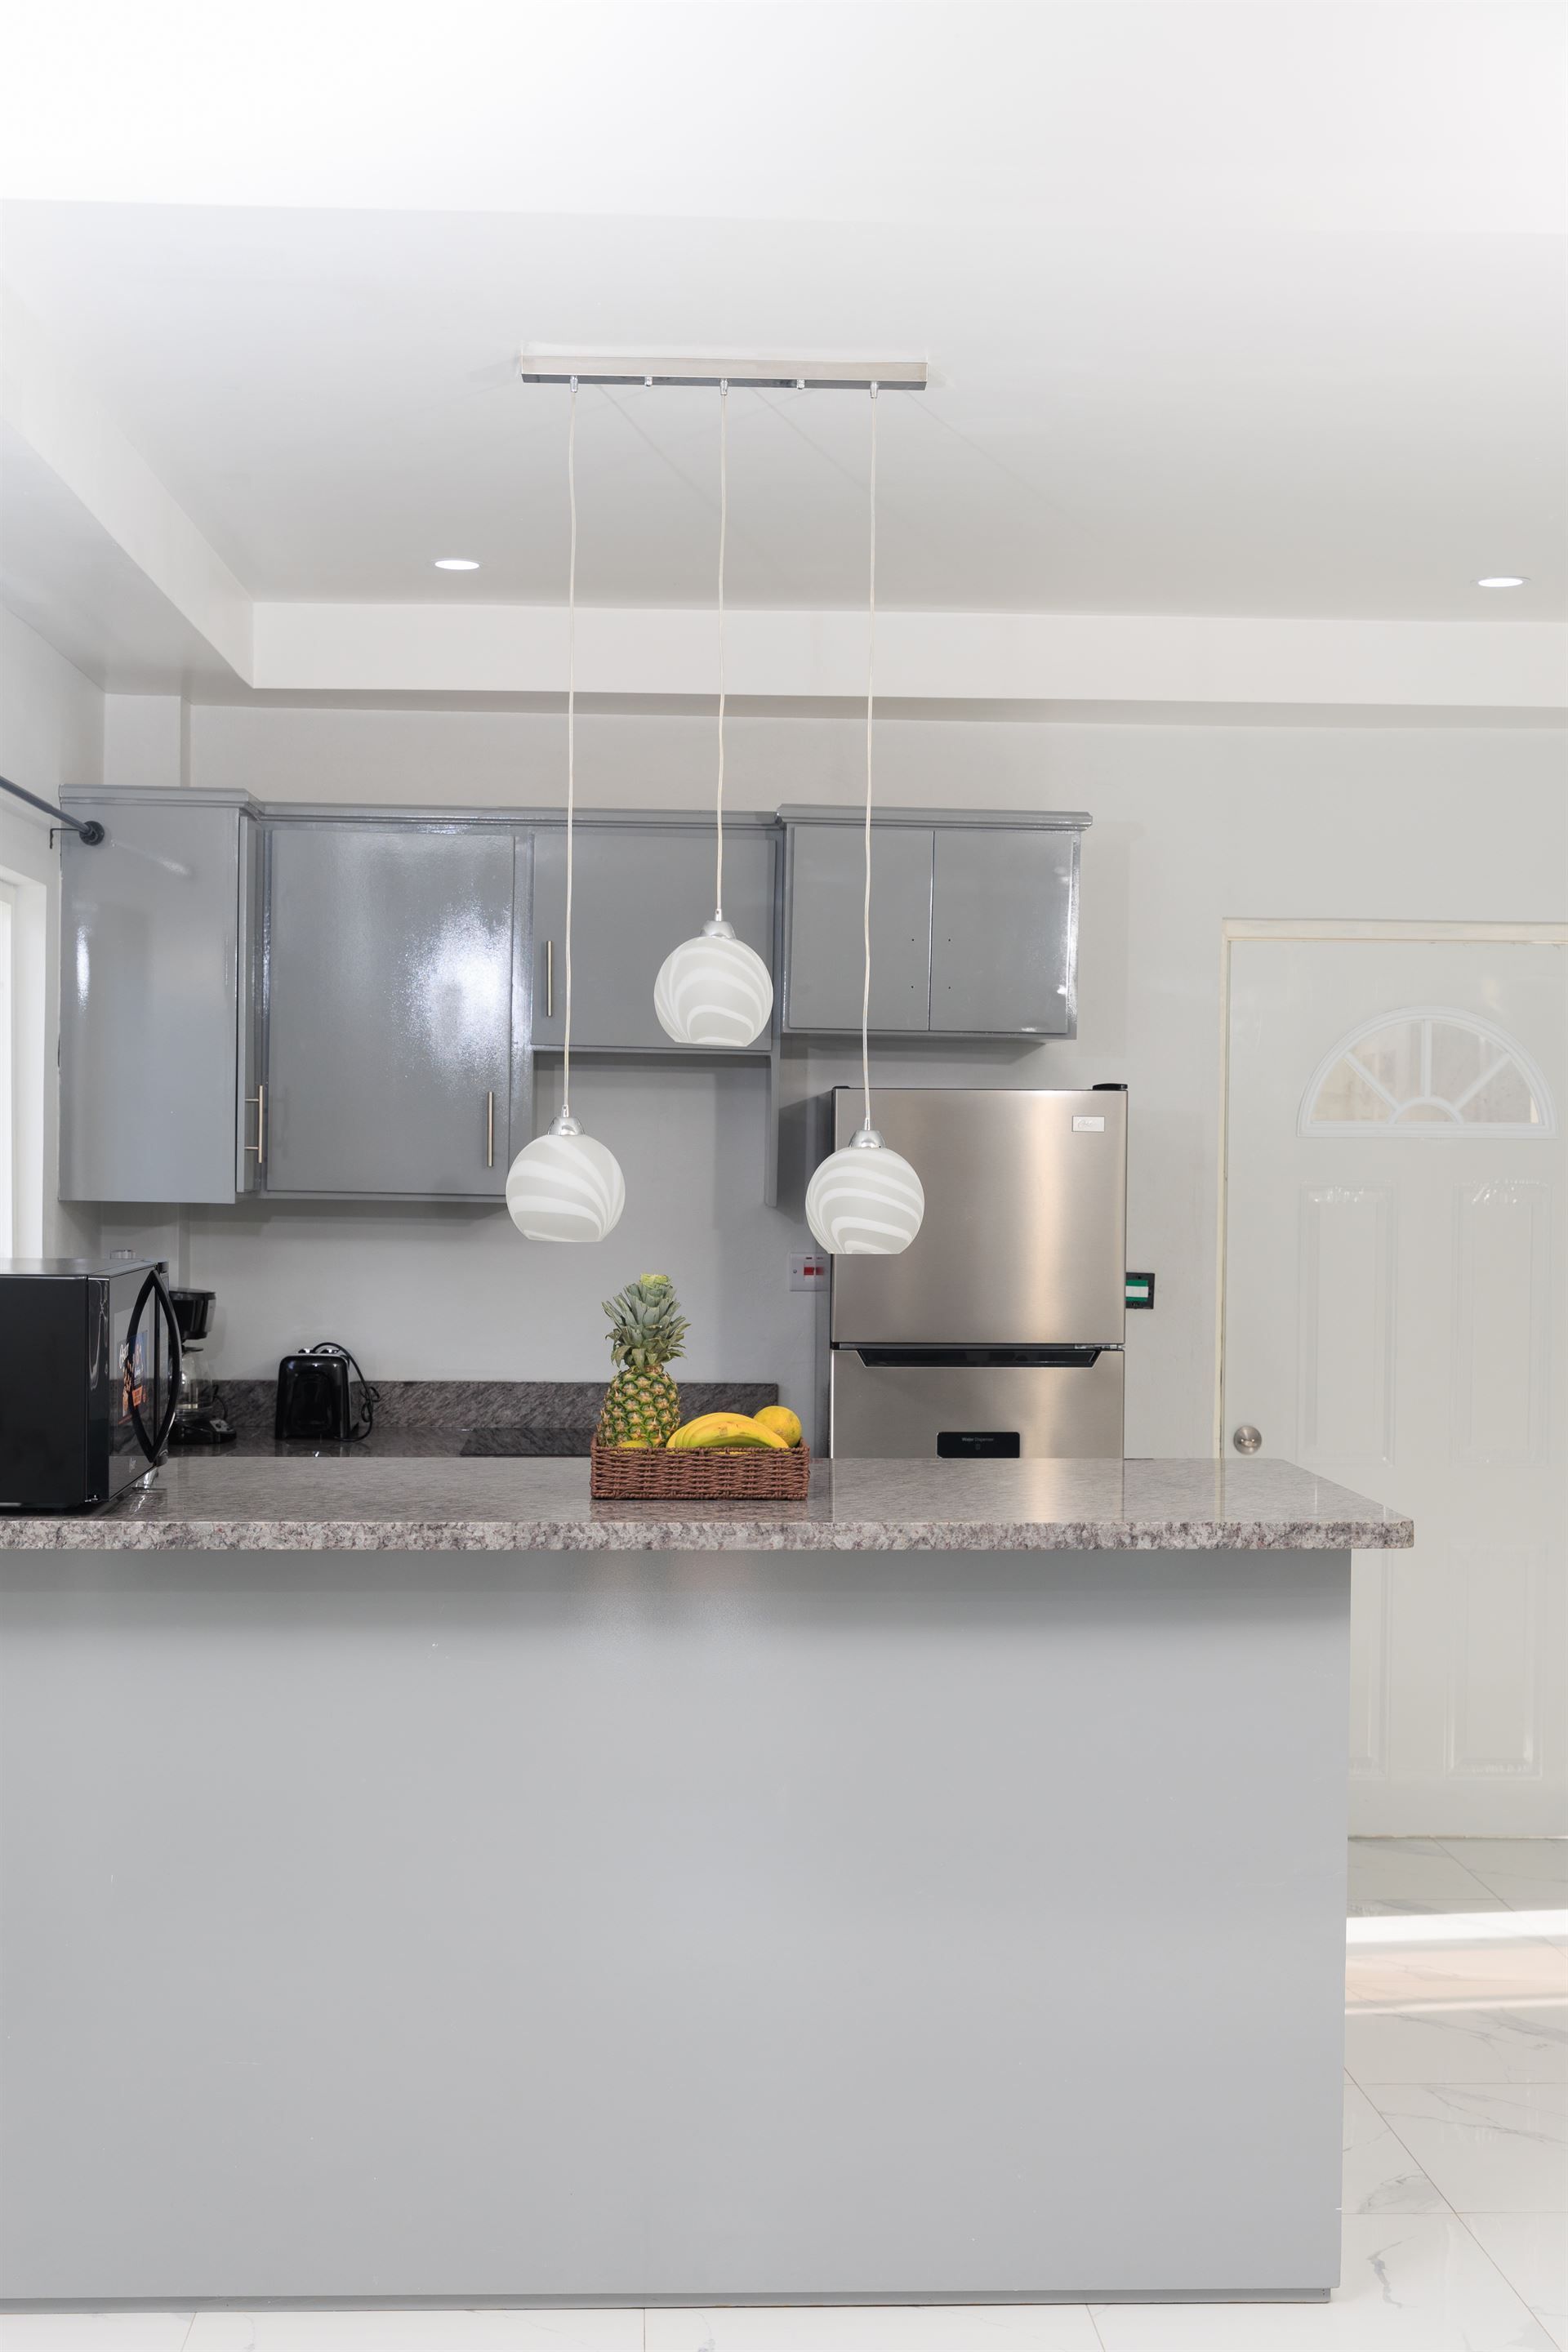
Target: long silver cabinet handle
490 1128
257 1102
549 979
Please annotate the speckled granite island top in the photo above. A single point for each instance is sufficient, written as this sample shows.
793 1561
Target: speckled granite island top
385 1504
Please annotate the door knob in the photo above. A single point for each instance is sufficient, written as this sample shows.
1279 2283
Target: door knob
1246 1440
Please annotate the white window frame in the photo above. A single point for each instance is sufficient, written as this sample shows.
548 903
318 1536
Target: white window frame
29 1093
1508 1054
8 1120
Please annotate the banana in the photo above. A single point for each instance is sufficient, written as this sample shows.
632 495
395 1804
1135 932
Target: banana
712 1430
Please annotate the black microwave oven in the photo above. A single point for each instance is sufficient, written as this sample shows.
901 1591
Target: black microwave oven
89 1376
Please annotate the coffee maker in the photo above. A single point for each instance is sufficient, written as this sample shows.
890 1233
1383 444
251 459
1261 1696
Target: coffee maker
198 1421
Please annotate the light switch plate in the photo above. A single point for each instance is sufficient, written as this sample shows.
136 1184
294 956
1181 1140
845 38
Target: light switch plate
809 1273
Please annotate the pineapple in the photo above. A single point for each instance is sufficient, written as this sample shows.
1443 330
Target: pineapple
642 1403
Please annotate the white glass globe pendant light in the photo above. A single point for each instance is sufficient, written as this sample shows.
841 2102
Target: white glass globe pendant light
866 1200
565 1186
715 989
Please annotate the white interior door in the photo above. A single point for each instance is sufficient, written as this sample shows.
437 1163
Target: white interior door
1395 1317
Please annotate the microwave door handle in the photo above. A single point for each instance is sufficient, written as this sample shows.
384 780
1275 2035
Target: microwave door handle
154 1288
176 1362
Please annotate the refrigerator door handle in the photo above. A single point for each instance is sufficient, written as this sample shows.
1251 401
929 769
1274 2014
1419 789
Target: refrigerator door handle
1061 1357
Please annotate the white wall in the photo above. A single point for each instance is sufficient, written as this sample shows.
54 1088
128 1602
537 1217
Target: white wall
1192 824
51 736
506 758
455 1292
144 739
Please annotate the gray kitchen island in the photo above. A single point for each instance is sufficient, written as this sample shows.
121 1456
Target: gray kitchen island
419 1882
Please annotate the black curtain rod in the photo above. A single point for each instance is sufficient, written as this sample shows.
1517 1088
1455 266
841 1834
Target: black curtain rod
90 832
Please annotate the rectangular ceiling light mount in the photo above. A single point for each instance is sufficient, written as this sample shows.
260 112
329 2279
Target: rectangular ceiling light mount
709 372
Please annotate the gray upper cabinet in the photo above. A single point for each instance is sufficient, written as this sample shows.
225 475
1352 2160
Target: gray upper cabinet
315 1005
973 926
1004 927
249 1137
151 999
637 891
826 927
389 988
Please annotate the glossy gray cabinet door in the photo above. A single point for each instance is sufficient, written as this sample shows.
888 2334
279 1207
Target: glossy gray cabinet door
1003 908
250 1124
149 1003
636 893
826 899
389 1010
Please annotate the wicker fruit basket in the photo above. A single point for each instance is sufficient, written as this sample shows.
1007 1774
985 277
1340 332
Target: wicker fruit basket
745 1474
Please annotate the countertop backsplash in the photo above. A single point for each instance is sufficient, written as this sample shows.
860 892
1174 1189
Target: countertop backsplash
434 1418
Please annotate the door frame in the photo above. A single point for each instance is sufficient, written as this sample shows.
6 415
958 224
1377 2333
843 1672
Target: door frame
1279 928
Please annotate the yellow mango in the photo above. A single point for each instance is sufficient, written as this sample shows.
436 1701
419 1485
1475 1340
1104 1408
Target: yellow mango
782 1422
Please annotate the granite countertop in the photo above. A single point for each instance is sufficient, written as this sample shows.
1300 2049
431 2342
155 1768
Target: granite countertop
216 1502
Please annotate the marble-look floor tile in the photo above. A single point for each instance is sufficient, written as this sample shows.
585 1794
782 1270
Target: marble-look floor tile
1411 1875
1532 2252
880 2327
1527 1873
1478 1971
1381 2176
1479 1901
1525 2043
94 2331
1491 2147
516 2330
1412 2282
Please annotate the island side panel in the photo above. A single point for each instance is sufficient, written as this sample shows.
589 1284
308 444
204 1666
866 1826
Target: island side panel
712 1926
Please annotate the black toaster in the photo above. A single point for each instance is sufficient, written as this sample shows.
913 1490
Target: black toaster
322 1397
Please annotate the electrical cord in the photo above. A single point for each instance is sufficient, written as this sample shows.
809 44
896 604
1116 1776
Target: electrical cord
571 736
870 719
723 538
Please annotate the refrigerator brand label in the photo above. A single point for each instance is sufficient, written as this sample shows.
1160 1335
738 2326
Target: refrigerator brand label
1088 1126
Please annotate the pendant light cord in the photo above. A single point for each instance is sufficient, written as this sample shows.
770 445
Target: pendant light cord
870 714
571 735
723 537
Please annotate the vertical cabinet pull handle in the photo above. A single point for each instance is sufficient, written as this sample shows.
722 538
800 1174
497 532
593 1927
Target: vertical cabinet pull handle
490 1128
257 1102
549 978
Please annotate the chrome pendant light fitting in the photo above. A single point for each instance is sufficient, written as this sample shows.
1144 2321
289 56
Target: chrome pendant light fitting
565 1186
866 1200
628 370
715 989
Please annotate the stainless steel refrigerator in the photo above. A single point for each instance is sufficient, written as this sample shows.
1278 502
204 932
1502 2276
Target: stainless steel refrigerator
998 1332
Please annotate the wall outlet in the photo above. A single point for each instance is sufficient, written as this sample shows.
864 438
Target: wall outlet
809 1273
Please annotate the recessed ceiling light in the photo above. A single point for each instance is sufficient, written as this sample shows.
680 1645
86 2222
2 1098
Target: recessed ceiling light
1501 579
455 563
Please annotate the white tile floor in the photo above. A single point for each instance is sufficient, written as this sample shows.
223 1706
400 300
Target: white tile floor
1455 2180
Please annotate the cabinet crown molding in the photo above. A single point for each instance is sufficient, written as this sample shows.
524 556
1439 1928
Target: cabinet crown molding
938 819
428 815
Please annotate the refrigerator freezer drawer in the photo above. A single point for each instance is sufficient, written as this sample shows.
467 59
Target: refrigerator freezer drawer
1025 1228
922 1412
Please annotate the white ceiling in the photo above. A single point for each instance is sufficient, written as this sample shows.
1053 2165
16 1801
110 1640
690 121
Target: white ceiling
1240 309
